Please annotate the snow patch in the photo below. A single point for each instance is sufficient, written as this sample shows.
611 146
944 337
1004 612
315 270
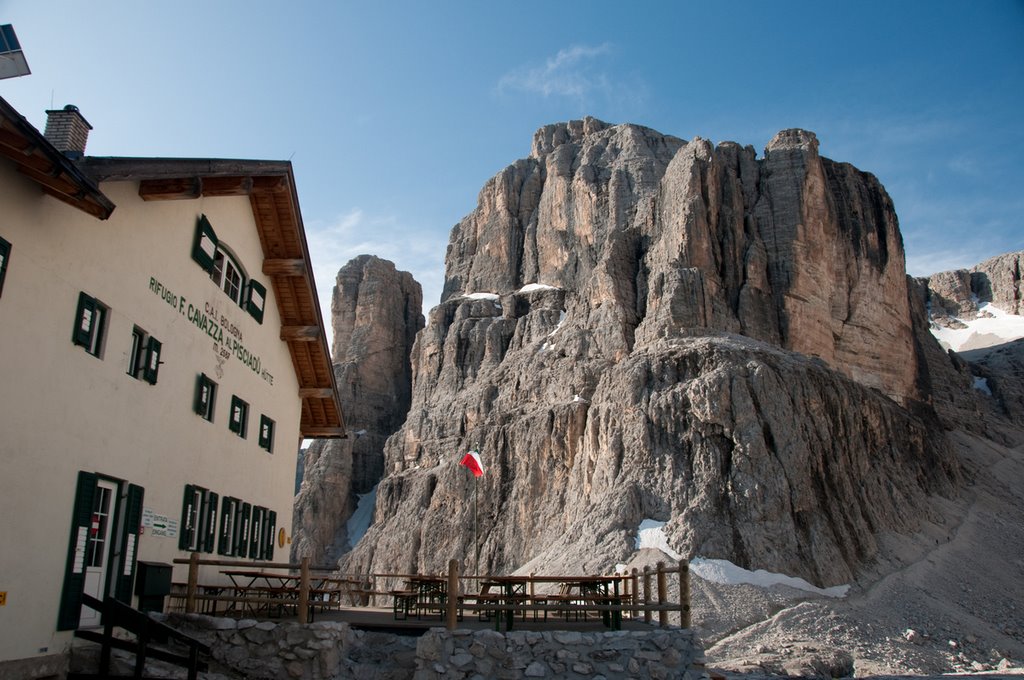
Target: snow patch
561 320
651 534
530 287
981 384
360 521
482 296
724 571
993 326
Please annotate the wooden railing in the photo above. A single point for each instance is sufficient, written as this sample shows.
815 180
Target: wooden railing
644 593
147 631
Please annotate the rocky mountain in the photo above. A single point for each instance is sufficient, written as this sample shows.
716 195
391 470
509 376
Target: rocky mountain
959 293
375 312
979 312
636 326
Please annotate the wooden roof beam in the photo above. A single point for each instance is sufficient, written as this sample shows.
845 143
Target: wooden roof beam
170 189
227 186
284 267
324 432
316 392
53 181
83 203
300 333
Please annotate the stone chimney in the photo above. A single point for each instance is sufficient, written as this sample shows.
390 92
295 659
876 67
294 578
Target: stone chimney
68 131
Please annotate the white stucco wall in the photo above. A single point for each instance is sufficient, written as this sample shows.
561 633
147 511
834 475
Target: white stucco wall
62 410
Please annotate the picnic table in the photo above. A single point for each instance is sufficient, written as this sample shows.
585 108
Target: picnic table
576 594
259 590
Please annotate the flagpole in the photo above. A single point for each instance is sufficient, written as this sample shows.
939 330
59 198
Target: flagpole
476 521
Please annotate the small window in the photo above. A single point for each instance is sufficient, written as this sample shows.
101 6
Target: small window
261 533
267 434
5 254
239 416
144 362
90 324
198 519
206 396
228 275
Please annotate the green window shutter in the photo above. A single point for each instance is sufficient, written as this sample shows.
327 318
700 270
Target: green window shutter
211 522
201 402
129 544
152 367
242 534
266 433
256 300
204 247
74 571
256 532
227 512
186 524
271 530
5 255
85 320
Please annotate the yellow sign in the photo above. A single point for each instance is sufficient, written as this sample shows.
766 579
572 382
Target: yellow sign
3 598
280 537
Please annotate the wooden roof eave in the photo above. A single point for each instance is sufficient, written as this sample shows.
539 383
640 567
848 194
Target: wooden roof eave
288 264
55 173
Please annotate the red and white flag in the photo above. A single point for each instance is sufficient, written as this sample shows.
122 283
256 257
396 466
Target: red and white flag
472 461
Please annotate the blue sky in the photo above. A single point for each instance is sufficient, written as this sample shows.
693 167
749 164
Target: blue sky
395 114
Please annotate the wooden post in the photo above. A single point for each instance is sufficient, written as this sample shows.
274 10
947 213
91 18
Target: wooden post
636 593
452 601
684 593
662 595
647 593
532 574
373 590
193 583
304 591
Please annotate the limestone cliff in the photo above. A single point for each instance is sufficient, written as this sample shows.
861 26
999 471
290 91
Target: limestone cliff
376 313
636 326
959 293
992 364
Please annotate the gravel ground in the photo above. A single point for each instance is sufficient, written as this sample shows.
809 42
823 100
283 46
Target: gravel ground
948 600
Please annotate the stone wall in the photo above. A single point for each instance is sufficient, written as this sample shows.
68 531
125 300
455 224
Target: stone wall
317 651
330 649
668 653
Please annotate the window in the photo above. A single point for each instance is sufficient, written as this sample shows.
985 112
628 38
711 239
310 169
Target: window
90 324
239 416
5 254
206 395
198 519
227 275
261 537
144 362
224 269
267 434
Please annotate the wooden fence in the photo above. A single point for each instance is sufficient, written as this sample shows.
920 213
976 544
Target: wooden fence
644 593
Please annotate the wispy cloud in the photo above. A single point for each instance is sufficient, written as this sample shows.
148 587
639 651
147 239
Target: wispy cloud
573 72
332 244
